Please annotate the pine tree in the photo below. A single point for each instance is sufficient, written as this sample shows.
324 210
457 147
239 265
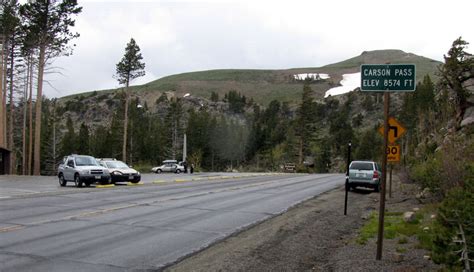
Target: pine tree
47 24
10 29
68 143
305 121
83 144
129 68
214 96
457 70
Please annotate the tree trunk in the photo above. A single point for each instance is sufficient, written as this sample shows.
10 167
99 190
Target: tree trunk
54 137
125 125
39 96
2 126
30 123
11 143
25 109
3 117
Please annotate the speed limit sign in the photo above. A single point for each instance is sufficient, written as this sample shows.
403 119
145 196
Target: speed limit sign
393 153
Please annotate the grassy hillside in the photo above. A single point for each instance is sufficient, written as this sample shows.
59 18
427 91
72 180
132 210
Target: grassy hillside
266 85
423 65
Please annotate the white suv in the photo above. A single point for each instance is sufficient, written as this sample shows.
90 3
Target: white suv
82 169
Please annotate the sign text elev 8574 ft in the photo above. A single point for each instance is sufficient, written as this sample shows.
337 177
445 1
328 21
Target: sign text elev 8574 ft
387 77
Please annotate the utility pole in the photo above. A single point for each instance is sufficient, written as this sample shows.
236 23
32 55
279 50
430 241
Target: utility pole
185 150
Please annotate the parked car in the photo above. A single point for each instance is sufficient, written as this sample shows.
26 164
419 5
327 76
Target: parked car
119 171
365 174
169 166
82 169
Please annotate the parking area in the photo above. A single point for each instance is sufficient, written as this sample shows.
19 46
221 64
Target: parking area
12 185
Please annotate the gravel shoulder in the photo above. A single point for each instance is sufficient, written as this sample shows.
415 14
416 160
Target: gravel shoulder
315 236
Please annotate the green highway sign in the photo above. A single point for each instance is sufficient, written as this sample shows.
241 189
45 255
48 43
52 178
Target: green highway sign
387 77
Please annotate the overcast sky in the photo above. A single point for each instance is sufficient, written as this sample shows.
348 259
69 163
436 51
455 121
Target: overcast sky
185 36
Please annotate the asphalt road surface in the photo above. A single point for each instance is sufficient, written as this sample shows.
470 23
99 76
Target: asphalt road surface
44 227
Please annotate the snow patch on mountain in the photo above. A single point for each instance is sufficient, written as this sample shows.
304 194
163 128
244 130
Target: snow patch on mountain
349 83
313 76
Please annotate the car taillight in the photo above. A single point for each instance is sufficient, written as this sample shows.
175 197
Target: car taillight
376 175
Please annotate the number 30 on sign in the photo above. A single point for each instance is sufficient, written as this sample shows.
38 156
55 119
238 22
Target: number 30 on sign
393 153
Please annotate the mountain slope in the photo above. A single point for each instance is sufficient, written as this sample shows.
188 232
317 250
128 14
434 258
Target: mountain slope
264 86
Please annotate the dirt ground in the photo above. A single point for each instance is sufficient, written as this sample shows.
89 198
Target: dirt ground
316 236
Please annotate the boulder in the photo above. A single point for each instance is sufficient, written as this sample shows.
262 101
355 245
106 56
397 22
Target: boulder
409 217
468 117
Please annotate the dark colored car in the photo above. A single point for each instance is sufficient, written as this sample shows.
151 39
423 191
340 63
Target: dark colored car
119 171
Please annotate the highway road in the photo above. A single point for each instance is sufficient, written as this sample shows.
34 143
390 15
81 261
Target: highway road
44 227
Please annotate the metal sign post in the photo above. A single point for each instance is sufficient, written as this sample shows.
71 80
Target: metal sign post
347 176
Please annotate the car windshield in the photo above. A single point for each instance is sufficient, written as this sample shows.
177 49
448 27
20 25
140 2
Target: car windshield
362 166
116 164
86 161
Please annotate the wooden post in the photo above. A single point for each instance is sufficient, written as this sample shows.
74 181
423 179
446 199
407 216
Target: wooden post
390 182
384 177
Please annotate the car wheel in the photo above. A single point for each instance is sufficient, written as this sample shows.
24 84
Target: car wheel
158 171
77 181
178 171
62 181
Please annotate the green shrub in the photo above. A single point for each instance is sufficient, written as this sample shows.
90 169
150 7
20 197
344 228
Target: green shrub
142 167
403 240
427 174
457 209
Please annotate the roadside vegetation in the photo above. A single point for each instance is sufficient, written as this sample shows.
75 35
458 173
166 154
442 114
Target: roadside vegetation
439 158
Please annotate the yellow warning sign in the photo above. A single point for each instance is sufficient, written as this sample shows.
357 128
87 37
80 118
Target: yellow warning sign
395 130
393 153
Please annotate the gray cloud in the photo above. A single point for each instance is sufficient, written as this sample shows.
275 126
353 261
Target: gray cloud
177 37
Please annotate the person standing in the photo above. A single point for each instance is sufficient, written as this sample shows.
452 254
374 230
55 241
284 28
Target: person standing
185 165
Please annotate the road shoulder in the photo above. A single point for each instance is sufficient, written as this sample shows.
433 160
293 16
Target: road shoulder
314 235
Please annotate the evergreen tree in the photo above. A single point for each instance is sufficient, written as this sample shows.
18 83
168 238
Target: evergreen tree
83 144
369 147
305 122
323 160
129 68
198 135
100 142
214 96
341 132
10 29
424 94
47 24
114 141
456 72
236 101
173 132
48 137
68 144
